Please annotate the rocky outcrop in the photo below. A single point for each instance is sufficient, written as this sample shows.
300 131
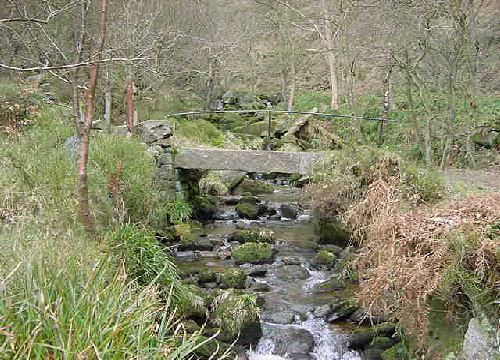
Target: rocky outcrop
481 341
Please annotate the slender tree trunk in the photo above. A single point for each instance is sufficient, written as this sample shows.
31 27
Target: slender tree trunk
82 188
334 89
108 105
130 106
293 83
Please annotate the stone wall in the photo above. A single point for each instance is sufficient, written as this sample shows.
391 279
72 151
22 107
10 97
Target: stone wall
156 134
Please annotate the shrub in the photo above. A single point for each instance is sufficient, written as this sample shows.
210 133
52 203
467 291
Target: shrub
178 211
324 257
254 253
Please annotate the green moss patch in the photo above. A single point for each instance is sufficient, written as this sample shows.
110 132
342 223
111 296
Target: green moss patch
254 253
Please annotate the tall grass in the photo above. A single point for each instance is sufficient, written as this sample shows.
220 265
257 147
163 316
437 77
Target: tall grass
63 296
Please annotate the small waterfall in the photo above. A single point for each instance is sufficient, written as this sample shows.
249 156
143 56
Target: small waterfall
315 277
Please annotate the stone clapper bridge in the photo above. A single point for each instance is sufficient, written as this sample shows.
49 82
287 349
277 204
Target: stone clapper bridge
157 133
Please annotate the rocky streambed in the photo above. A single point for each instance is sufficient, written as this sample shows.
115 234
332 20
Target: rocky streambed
271 249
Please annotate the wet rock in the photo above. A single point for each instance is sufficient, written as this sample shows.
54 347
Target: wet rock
300 357
230 200
260 286
280 317
333 284
186 255
289 340
210 285
226 216
255 270
288 260
343 310
323 311
360 339
289 211
199 245
304 218
291 273
250 334
373 354
323 259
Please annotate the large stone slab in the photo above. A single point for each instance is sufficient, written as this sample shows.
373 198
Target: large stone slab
247 160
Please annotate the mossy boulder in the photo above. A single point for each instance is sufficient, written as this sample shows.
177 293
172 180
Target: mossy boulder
248 211
254 187
396 352
336 283
324 258
382 343
343 310
232 279
205 207
207 276
236 314
211 348
258 235
333 232
254 253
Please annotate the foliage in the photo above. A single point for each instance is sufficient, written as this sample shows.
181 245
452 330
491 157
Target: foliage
424 263
18 105
179 211
253 253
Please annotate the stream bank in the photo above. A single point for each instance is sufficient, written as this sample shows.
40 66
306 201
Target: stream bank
271 250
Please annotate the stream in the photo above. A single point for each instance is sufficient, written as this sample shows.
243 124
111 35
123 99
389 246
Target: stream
289 328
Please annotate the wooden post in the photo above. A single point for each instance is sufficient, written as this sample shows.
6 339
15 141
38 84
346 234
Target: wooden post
269 130
386 106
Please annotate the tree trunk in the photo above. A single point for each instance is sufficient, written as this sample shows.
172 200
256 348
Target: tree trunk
130 106
82 188
293 84
108 104
334 89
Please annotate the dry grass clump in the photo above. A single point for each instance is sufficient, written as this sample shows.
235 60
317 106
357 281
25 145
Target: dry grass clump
406 258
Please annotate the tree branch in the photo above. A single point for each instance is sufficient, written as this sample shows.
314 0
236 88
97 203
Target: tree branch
70 66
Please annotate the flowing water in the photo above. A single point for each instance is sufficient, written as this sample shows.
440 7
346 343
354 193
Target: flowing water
289 329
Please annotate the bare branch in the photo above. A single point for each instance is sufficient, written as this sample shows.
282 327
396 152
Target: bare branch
70 66
37 20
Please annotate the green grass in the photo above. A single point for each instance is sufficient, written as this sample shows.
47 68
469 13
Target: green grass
197 132
62 295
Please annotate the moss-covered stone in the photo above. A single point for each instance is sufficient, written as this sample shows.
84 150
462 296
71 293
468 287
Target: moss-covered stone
254 253
325 258
191 326
211 348
206 276
254 187
253 235
232 279
397 352
334 233
248 211
381 342
205 207
336 283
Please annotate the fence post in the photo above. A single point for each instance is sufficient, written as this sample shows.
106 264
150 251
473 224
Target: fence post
269 124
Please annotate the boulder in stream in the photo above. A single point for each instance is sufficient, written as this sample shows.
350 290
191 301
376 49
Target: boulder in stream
289 211
291 340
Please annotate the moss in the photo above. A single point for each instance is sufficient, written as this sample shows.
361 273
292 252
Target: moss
233 279
205 207
254 187
248 211
253 235
211 348
333 232
185 234
324 257
381 342
207 275
254 253
396 352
